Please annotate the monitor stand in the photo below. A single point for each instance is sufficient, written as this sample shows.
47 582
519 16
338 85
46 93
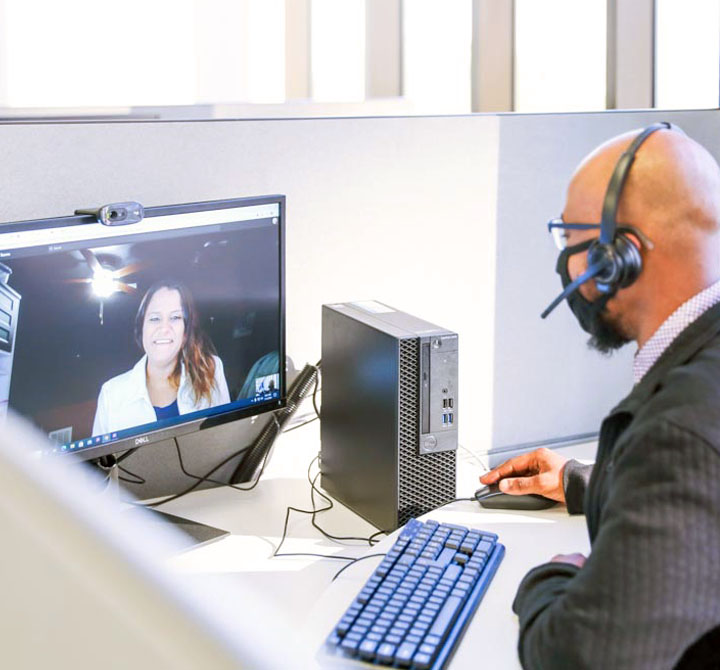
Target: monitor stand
191 534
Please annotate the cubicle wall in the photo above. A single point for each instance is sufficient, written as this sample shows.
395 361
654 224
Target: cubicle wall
401 210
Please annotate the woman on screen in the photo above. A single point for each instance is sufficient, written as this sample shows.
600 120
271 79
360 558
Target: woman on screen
178 373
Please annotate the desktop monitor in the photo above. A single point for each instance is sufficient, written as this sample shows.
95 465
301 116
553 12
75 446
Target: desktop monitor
119 336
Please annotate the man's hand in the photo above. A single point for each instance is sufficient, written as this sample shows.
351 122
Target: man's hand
539 471
573 559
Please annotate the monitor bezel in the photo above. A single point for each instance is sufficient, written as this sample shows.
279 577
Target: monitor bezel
158 435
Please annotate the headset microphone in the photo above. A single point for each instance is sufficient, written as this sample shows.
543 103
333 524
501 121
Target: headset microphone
614 261
591 272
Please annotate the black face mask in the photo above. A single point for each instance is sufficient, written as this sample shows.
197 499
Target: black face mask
603 335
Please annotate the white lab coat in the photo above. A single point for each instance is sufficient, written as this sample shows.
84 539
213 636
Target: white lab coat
124 401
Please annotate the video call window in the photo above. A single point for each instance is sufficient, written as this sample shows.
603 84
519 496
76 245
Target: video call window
118 331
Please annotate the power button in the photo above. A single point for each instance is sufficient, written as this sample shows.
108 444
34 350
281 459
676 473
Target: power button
430 442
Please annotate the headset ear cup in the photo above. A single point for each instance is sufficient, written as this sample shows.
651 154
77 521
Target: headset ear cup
604 257
629 260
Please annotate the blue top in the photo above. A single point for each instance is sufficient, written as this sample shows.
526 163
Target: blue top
169 412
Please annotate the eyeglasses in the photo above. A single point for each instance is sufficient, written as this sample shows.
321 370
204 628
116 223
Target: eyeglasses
558 229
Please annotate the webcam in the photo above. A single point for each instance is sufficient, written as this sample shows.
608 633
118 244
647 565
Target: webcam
116 214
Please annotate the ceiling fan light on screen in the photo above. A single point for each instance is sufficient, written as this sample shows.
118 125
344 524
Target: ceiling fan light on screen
103 283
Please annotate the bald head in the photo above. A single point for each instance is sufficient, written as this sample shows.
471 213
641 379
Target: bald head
672 195
672 189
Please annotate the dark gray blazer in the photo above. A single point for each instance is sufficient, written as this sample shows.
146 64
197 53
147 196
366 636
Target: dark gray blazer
651 586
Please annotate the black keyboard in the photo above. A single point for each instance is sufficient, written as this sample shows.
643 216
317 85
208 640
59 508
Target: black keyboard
414 608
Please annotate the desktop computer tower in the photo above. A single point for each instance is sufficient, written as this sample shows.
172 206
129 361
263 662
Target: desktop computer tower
389 412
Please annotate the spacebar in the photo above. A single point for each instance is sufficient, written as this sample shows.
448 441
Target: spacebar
446 617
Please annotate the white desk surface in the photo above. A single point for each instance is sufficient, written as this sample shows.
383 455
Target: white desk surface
301 588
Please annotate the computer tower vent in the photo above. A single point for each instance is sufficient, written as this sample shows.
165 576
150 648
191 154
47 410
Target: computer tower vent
425 481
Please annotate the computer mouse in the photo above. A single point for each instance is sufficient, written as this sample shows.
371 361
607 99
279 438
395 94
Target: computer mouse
491 497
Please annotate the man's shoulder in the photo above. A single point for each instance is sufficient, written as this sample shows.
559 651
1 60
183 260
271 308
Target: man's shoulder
688 397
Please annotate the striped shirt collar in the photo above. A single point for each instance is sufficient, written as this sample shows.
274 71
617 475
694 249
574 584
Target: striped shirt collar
678 321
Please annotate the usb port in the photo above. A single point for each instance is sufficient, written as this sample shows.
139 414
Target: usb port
445 403
450 418
450 403
444 419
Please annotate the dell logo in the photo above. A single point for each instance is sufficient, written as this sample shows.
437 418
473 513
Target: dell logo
141 440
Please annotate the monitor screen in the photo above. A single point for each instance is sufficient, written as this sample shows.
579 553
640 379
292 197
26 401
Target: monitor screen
113 337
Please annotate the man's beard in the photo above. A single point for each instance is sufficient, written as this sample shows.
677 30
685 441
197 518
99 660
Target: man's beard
606 336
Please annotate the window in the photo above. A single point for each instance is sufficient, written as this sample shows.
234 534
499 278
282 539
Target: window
560 55
266 51
85 53
687 54
338 50
437 48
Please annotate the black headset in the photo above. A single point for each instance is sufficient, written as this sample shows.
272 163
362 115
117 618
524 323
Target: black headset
614 261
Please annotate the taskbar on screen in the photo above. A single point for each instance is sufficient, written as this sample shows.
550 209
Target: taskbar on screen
116 436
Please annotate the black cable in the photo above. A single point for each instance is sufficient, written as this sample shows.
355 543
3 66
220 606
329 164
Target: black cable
331 504
362 558
450 502
314 512
334 558
315 390
129 452
372 541
285 527
207 478
199 481
137 479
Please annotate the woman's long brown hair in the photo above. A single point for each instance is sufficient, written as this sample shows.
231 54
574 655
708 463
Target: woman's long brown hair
196 352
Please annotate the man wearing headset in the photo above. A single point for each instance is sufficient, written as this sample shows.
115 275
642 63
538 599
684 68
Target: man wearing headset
643 265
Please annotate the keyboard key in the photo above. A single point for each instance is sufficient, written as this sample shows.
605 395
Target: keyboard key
446 616
428 649
350 646
422 661
386 653
367 649
446 555
485 545
405 653
344 625
452 572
